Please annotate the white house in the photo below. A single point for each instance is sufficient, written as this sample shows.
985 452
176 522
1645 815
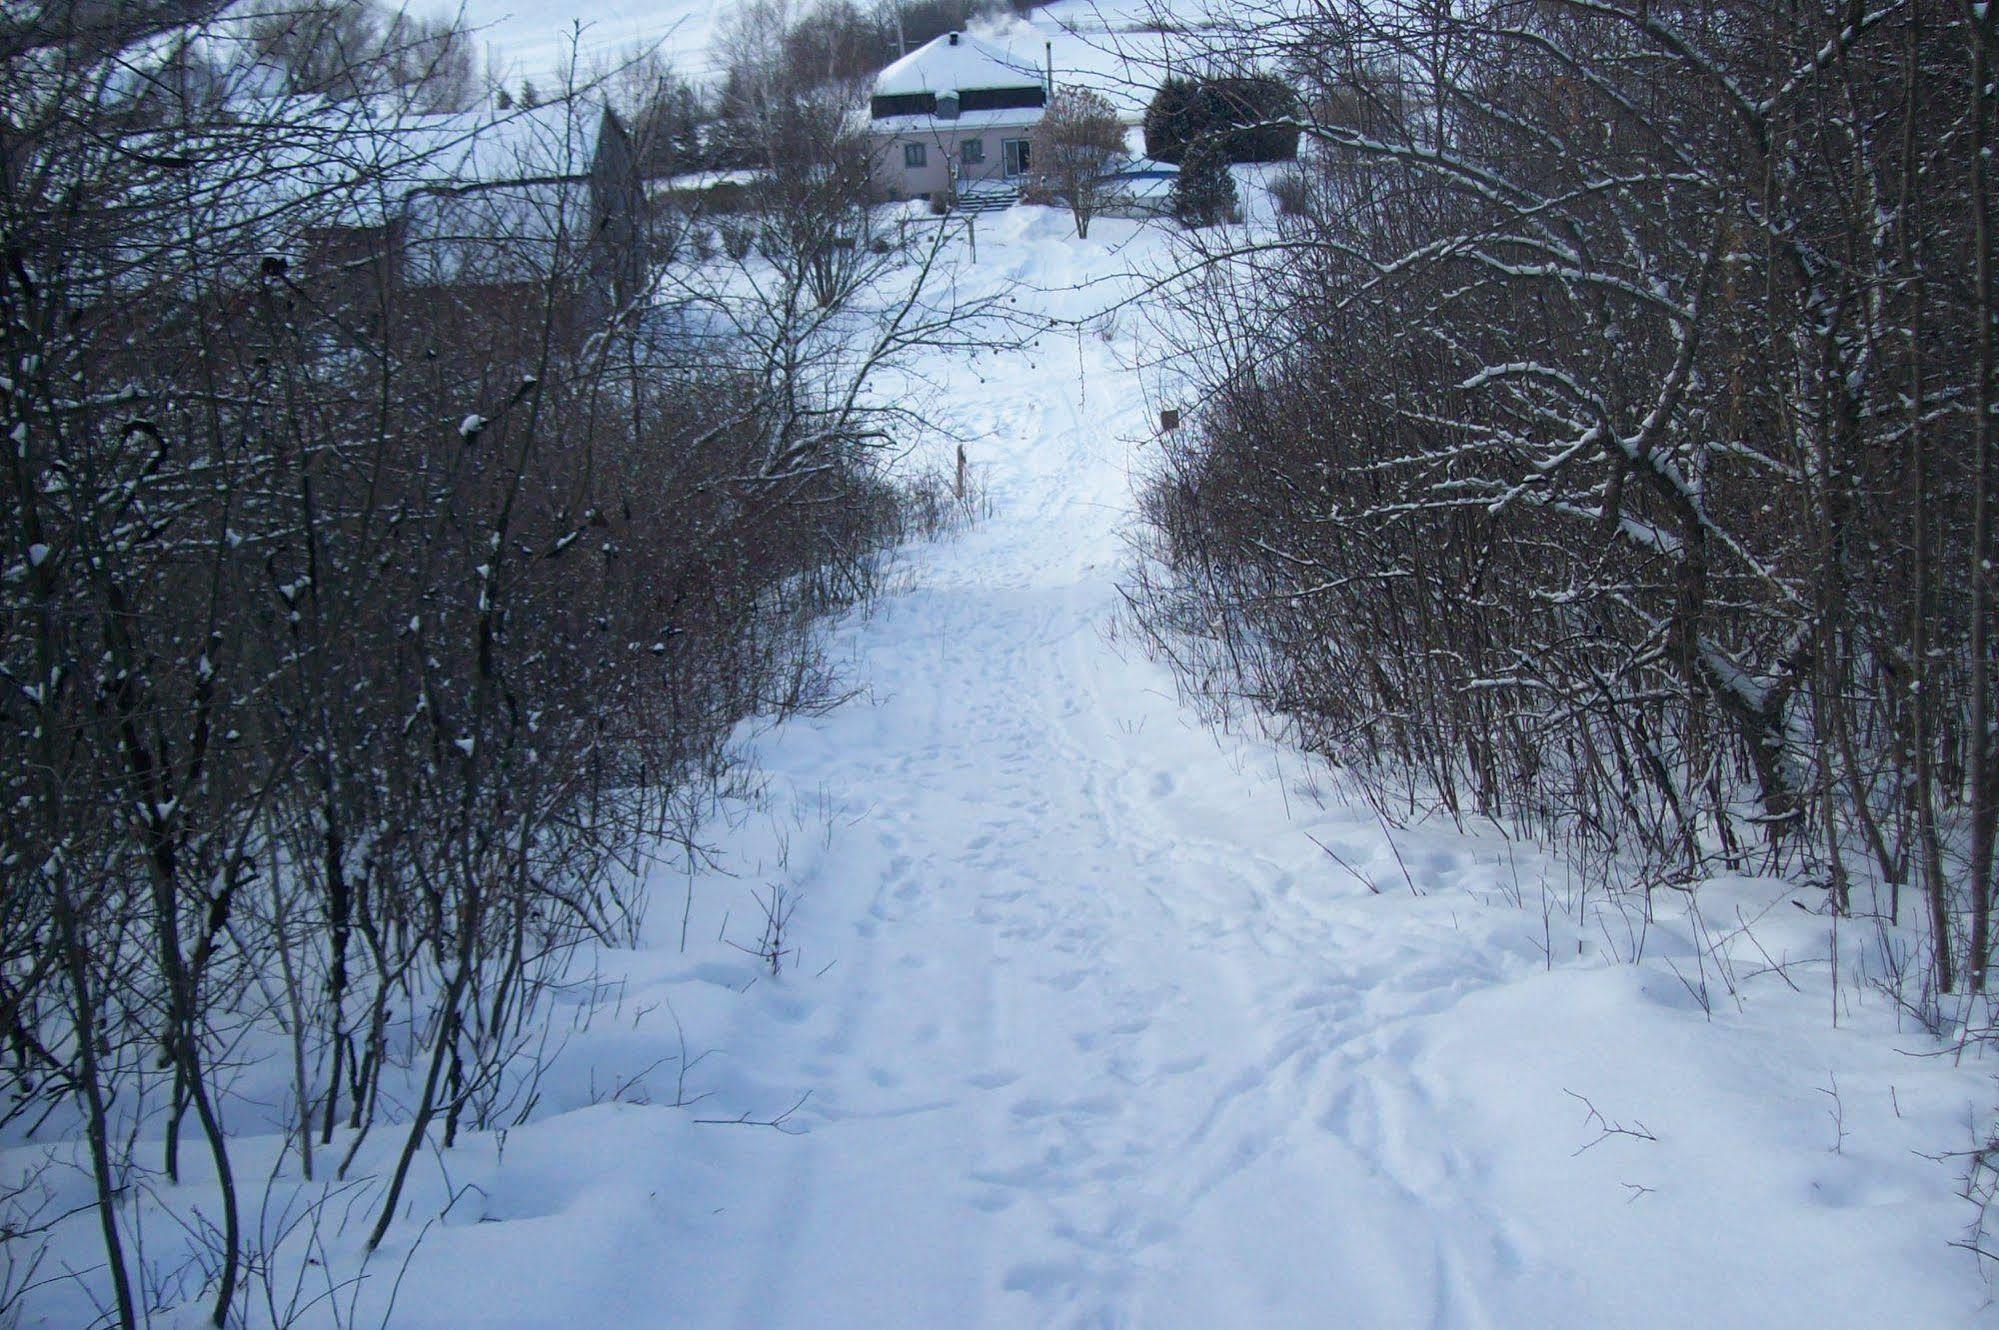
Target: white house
958 111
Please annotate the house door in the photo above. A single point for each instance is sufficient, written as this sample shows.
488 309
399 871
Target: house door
1014 155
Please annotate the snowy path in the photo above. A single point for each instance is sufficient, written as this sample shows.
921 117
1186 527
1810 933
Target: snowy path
1107 1040
1083 1011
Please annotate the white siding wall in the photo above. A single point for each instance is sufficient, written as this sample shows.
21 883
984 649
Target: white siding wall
943 148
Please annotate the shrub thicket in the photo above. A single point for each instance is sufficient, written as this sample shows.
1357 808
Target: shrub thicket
388 557
1611 446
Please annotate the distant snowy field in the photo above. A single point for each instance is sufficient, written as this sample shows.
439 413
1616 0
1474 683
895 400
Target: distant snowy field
535 38
1107 46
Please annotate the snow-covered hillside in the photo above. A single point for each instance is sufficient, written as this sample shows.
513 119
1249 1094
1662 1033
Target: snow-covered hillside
1112 48
1089 1018
537 40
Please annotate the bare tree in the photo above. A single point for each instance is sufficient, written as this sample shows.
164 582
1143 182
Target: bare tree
359 48
1078 146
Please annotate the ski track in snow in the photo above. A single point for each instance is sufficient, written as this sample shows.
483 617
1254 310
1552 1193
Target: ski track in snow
1107 1041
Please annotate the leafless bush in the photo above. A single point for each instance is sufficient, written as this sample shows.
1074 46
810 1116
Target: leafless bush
939 502
1606 445
1292 194
389 553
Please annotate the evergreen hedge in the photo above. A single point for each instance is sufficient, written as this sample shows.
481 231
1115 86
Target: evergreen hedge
1243 115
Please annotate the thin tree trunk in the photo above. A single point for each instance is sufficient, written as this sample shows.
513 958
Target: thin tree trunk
1984 773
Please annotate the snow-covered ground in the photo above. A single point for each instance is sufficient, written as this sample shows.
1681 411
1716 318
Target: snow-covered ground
1082 1024
1095 1033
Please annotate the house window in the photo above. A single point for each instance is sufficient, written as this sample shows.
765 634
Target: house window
906 103
1014 155
973 151
1000 99
915 155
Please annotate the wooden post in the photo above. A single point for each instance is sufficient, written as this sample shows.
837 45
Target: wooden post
960 486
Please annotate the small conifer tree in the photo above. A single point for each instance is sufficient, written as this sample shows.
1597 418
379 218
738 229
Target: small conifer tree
1205 193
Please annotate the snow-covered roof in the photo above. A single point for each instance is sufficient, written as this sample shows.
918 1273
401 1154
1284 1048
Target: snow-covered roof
474 192
958 61
702 180
355 163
